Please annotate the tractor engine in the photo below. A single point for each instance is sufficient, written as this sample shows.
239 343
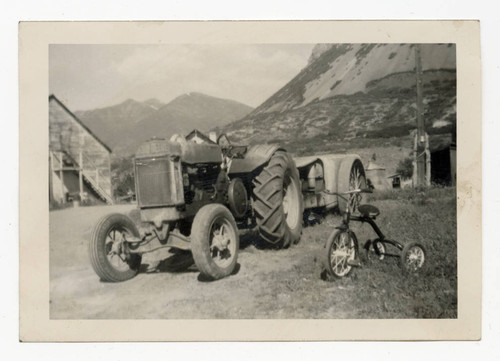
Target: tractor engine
175 178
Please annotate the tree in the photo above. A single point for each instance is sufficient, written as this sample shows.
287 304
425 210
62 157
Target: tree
405 168
122 170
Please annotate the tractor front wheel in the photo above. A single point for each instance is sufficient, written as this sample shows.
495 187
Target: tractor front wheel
215 241
109 251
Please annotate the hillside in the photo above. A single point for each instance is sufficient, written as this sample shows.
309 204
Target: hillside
124 126
351 97
346 69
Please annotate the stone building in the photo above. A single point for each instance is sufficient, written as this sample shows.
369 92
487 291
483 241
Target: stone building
79 162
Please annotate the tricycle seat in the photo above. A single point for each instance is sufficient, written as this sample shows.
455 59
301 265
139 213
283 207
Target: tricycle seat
369 211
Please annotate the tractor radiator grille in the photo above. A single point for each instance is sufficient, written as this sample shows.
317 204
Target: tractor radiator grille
155 182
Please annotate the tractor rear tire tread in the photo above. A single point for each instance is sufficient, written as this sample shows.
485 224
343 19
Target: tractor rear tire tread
268 200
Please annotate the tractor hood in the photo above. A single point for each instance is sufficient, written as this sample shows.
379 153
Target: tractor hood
189 152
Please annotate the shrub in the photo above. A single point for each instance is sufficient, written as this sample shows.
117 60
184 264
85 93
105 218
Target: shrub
405 168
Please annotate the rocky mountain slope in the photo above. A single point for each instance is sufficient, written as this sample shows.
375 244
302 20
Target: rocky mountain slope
356 96
124 126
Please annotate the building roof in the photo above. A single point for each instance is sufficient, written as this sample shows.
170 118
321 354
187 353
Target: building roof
197 133
53 97
373 166
439 142
394 175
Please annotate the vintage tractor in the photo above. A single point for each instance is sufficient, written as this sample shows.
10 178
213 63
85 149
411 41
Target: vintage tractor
193 195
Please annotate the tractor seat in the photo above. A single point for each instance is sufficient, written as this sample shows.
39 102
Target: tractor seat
369 211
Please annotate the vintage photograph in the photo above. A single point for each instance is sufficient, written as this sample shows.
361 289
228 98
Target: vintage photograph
252 181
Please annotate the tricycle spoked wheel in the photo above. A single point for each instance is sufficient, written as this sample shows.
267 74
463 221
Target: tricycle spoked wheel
215 241
379 249
109 253
341 248
412 257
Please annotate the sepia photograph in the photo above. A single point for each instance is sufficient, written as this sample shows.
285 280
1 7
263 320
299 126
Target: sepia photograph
292 184
262 181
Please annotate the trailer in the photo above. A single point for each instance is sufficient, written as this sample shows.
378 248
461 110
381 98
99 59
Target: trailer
324 175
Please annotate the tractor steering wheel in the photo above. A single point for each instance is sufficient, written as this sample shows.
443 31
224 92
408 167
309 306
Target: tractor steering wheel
223 141
225 145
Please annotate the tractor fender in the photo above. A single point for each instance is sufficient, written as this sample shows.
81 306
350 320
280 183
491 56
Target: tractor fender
256 156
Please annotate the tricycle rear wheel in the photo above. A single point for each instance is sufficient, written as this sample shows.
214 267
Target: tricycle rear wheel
412 257
379 249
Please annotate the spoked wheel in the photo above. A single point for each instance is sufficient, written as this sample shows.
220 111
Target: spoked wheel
110 253
357 180
351 176
412 257
341 249
215 241
379 249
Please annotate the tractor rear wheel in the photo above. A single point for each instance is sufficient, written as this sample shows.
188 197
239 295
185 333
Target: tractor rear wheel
277 201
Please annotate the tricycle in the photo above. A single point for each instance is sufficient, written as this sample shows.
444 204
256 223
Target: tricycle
342 251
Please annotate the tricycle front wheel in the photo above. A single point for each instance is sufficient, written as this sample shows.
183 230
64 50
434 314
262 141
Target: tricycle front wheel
341 249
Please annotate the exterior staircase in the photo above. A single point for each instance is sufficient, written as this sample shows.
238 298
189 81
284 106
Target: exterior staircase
91 175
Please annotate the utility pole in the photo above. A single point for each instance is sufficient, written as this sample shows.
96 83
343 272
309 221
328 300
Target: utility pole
80 168
421 153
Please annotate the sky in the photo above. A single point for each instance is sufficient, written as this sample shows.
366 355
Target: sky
95 76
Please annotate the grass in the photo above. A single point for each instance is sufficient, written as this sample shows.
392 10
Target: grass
378 289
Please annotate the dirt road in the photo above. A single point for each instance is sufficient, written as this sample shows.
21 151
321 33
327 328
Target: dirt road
267 284
76 291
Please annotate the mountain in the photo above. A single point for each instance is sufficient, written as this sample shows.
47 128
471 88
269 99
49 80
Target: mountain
346 69
200 111
352 96
124 126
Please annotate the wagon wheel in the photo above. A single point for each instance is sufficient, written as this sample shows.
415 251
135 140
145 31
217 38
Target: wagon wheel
351 176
